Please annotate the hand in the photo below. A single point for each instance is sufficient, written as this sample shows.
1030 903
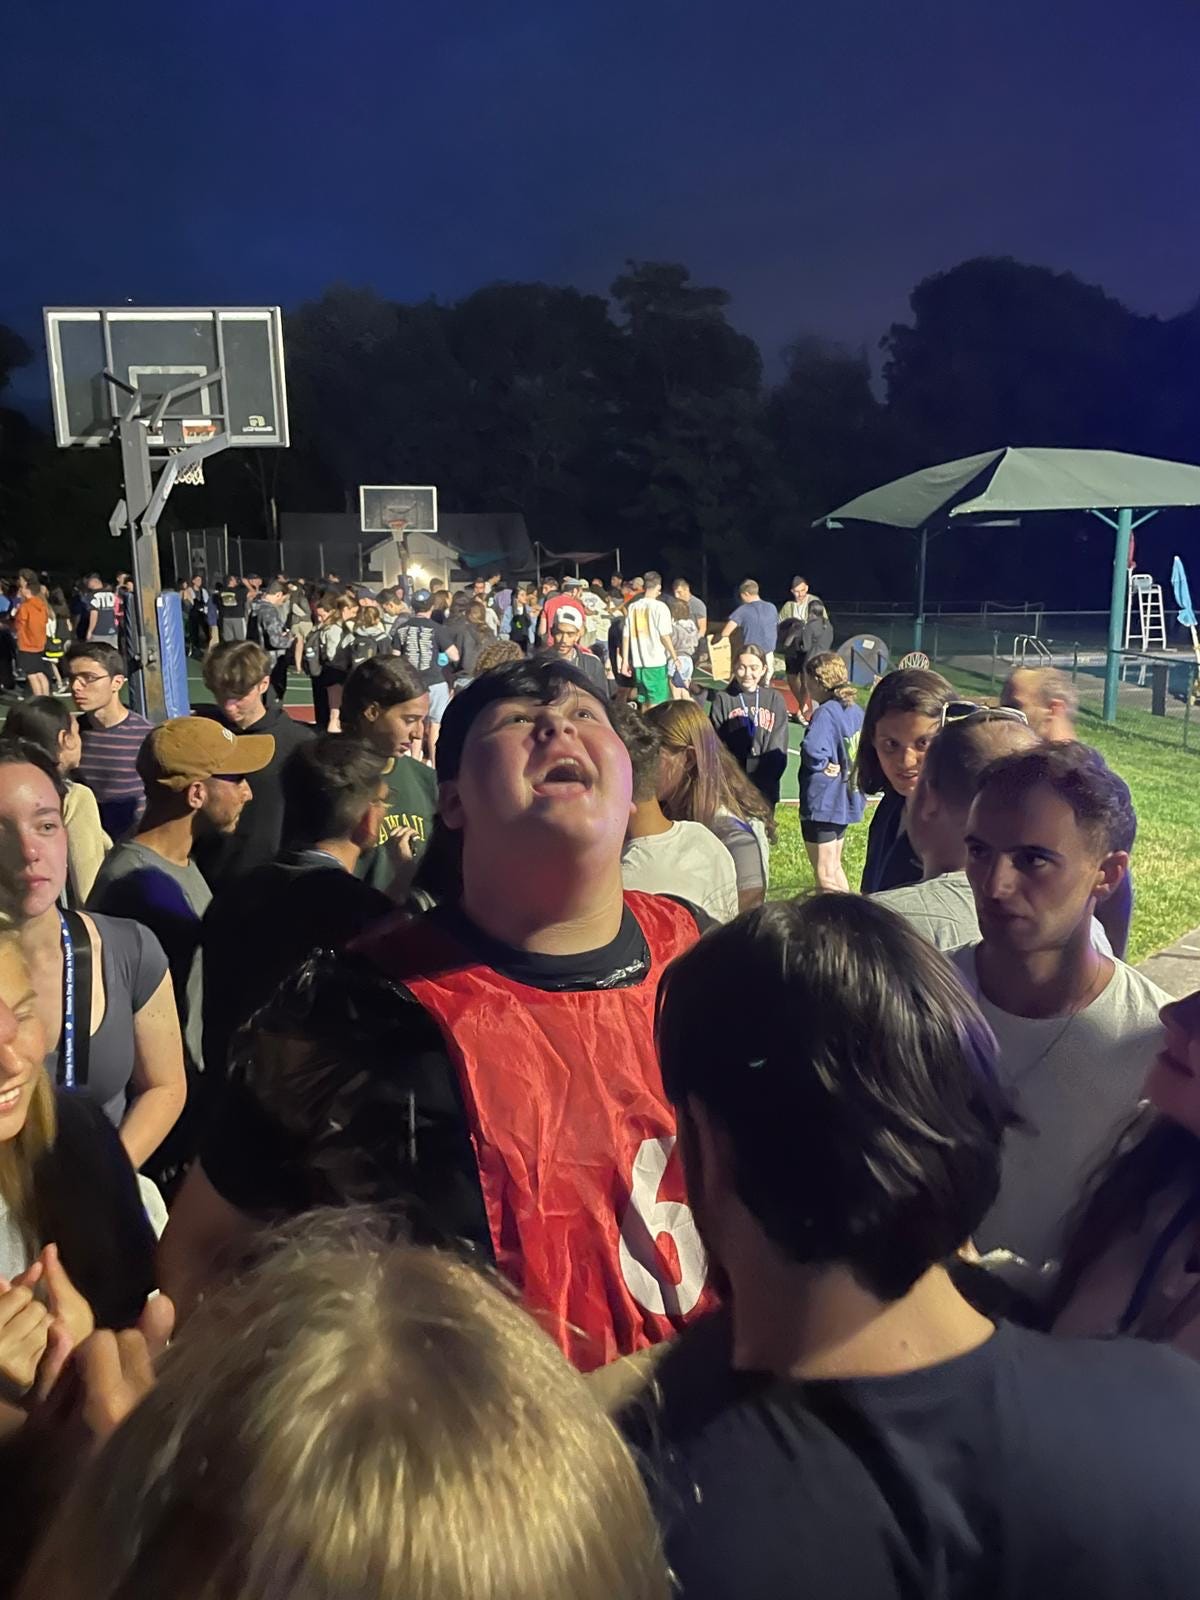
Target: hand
24 1334
833 770
67 1305
71 1320
400 844
105 1379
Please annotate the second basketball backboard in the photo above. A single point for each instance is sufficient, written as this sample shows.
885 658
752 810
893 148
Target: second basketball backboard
381 505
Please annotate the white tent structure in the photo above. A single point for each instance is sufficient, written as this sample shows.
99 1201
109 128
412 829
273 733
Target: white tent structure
1002 484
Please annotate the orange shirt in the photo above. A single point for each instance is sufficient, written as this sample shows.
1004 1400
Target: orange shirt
32 616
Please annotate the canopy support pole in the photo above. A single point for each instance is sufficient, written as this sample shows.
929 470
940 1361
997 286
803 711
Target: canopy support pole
919 618
1124 525
1116 613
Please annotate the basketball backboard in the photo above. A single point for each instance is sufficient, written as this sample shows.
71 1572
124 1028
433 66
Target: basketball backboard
382 504
156 349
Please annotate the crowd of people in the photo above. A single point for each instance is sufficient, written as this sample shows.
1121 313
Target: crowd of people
430 1163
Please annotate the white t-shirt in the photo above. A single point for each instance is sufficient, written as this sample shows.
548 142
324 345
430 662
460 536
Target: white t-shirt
942 910
1075 1082
645 623
689 861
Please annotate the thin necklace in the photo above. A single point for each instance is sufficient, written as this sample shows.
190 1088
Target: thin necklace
1076 1009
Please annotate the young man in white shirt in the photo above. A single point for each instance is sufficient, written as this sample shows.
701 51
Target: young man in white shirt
664 857
1048 839
646 643
941 907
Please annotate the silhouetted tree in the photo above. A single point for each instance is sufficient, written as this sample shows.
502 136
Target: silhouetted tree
999 353
694 456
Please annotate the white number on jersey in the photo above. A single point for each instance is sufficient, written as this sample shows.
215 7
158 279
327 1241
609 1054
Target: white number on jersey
648 1217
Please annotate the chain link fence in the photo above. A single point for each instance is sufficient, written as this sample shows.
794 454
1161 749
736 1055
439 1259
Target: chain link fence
217 553
1157 698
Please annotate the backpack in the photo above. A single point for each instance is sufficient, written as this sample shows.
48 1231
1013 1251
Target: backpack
369 643
320 651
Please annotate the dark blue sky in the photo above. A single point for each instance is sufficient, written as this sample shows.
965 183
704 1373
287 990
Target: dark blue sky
817 160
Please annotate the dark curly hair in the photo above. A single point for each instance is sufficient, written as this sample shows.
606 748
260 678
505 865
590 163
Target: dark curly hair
1076 773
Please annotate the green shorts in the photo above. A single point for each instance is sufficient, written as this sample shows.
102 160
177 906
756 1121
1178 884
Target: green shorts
652 685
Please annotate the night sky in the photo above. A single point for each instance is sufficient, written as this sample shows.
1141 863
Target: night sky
816 160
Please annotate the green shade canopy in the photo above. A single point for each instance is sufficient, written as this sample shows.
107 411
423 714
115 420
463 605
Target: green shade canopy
1108 483
1014 480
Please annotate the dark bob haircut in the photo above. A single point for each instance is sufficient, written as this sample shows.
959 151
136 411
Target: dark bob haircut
869 1137
541 678
381 681
1078 775
913 691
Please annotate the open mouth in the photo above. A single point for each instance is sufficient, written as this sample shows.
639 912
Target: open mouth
566 776
10 1098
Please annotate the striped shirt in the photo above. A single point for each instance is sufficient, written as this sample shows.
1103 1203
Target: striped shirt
108 766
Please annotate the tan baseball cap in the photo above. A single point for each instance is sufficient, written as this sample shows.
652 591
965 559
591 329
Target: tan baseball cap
187 750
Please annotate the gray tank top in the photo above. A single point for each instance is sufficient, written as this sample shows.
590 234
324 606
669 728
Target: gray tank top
133 965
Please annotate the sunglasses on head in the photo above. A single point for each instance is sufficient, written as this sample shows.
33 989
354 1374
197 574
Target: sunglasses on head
965 710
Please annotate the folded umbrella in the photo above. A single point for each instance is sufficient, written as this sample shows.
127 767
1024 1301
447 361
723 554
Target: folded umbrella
1187 616
1183 595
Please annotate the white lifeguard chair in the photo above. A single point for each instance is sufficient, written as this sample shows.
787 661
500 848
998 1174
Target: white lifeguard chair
1145 619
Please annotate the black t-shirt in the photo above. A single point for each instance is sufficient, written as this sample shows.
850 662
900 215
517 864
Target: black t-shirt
262 927
470 641
1029 1467
103 602
420 640
345 1092
233 602
892 862
225 857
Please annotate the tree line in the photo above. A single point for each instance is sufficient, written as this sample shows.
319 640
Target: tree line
643 419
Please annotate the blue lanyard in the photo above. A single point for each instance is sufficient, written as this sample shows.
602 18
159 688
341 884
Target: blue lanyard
67 1052
746 709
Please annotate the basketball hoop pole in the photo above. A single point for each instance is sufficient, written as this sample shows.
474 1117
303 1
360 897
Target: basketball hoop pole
140 510
399 532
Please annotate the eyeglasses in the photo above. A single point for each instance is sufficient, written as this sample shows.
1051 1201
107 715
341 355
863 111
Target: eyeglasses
964 710
87 678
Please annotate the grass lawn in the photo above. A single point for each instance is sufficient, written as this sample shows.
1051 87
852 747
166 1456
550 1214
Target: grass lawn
1165 784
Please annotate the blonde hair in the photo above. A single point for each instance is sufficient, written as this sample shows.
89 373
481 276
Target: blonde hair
369 616
829 672
359 1418
714 781
21 1156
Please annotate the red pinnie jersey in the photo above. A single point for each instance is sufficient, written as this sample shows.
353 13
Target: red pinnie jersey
574 1138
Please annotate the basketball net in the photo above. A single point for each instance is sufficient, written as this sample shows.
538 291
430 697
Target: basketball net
189 475
193 432
397 526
